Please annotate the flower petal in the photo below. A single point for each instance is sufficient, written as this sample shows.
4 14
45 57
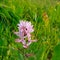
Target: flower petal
25 46
18 40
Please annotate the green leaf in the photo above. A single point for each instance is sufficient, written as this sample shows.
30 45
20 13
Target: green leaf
56 55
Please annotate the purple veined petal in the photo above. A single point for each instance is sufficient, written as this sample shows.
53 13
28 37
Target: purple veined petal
25 46
17 33
32 40
20 34
29 36
29 43
18 40
23 42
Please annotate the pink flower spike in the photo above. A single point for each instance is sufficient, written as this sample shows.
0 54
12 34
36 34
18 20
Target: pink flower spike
25 30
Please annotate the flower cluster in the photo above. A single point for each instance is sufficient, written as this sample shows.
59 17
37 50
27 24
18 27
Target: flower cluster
25 30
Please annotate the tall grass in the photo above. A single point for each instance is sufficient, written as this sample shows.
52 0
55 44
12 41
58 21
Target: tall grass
44 15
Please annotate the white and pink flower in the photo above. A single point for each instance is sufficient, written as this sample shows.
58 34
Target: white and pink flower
25 30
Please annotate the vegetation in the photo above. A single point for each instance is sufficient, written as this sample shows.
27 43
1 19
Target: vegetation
45 17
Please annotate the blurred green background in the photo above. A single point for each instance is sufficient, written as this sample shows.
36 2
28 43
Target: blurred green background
45 17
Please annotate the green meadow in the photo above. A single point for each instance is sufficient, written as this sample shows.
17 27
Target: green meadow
45 17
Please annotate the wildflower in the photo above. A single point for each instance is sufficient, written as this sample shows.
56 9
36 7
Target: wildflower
25 30
45 18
